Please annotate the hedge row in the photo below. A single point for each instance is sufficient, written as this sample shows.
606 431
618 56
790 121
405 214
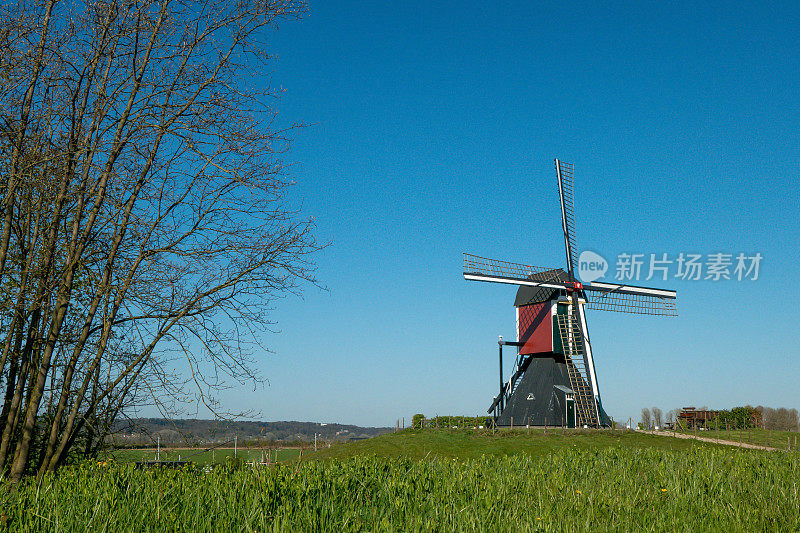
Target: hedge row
460 422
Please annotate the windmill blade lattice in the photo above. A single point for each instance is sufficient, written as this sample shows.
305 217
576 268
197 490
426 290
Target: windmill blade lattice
566 189
638 304
477 265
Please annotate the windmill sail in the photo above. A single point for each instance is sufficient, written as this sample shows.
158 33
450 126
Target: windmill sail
566 190
638 304
478 268
631 299
580 365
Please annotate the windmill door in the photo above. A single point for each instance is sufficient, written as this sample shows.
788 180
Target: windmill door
570 412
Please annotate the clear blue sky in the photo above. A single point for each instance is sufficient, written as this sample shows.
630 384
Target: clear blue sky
435 132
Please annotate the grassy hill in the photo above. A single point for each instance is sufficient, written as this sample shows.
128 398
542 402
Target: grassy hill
472 444
434 443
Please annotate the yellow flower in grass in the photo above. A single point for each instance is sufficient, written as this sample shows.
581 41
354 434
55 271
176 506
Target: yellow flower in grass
663 490
579 492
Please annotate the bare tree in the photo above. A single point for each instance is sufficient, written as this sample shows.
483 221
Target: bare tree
781 419
145 232
656 417
646 420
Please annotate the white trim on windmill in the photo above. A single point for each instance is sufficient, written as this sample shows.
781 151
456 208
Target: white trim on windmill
629 289
511 281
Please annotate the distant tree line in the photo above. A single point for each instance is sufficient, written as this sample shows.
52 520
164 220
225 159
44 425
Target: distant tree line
192 432
780 419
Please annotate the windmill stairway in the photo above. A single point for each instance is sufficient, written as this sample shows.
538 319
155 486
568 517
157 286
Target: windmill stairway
514 381
572 341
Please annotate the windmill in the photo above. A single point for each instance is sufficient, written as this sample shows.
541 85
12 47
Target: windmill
554 380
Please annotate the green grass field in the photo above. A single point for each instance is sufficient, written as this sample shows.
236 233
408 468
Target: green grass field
436 480
776 439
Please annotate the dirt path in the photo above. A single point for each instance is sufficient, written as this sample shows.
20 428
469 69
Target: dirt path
715 441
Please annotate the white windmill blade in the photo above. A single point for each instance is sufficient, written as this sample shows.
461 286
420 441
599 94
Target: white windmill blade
602 286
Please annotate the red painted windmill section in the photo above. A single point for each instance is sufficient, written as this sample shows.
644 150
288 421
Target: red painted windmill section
535 328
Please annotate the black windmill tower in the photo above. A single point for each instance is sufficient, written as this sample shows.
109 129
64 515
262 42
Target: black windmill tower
554 379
